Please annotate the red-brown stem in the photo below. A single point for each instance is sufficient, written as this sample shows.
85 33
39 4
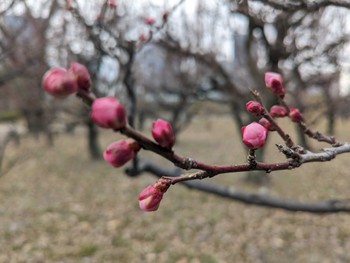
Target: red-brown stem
318 136
208 170
87 96
265 113
312 134
221 169
188 163
286 138
284 104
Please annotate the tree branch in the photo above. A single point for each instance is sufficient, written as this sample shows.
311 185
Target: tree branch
292 6
325 206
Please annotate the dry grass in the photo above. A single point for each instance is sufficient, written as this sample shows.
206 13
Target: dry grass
58 206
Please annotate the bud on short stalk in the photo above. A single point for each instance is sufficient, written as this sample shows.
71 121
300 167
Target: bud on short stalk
274 82
112 3
278 111
254 107
265 122
149 20
120 152
295 115
254 135
108 112
142 37
150 197
59 82
82 75
163 133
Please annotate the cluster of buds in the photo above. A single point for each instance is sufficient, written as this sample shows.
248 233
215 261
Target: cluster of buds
274 82
61 82
255 134
109 113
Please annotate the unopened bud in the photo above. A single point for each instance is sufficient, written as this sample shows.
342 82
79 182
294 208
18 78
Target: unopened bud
112 3
150 197
274 82
149 20
59 82
82 75
163 133
108 112
265 122
120 152
142 37
295 115
254 135
254 107
278 111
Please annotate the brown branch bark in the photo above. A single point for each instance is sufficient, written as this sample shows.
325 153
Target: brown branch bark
324 206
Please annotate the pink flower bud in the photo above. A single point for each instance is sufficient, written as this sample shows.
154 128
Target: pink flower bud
82 75
69 5
59 82
112 3
278 111
149 20
254 135
120 152
142 37
265 122
150 197
163 133
295 115
254 107
274 82
108 112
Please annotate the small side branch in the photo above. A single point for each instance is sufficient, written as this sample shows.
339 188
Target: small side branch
325 206
318 136
327 154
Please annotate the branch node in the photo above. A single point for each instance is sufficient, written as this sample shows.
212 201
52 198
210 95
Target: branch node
188 164
252 159
289 152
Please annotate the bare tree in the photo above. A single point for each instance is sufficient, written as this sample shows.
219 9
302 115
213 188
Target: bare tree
23 45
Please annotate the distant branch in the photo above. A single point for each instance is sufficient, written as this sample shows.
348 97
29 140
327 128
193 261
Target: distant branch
292 6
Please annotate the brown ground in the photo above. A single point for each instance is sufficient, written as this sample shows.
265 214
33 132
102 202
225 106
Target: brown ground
57 206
